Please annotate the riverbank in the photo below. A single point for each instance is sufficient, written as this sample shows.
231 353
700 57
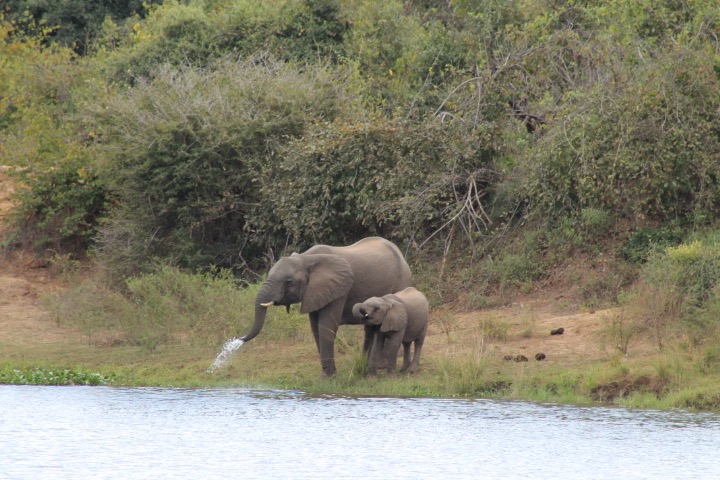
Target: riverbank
467 354
602 355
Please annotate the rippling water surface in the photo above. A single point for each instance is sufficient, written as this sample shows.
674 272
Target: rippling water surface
159 433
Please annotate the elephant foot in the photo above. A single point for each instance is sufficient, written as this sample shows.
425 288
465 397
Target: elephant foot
328 368
410 369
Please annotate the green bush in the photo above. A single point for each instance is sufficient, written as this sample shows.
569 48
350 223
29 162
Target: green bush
684 283
167 303
60 205
59 194
168 307
398 179
617 150
71 23
467 375
189 152
643 241
198 33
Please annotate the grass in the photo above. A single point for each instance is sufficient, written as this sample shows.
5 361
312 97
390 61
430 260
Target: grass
292 364
462 357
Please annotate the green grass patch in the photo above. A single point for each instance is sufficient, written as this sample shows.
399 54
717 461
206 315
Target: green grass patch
191 315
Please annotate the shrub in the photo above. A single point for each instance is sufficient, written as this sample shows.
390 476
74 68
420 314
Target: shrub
189 152
169 306
60 195
163 304
397 179
642 242
60 203
683 282
72 23
616 151
197 34
466 375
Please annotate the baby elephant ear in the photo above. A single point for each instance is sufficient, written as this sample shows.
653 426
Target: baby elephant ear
395 318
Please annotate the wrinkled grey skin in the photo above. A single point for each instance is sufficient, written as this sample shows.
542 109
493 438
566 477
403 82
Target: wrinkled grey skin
397 318
327 281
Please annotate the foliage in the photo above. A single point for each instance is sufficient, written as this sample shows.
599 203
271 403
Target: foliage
466 376
344 180
33 79
643 241
44 376
684 282
640 148
229 131
391 50
304 31
61 210
169 307
207 305
59 195
198 33
187 154
71 23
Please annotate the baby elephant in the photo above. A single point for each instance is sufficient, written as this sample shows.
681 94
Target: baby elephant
400 317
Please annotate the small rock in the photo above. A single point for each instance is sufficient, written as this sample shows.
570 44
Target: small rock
508 358
521 358
557 331
540 356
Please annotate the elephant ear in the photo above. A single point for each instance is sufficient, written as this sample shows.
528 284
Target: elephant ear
395 318
329 278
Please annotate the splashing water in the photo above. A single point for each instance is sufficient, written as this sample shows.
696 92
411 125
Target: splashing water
230 346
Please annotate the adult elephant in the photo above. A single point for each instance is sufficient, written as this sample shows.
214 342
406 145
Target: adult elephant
327 281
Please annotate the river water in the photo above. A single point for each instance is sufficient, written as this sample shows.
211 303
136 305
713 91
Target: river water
162 433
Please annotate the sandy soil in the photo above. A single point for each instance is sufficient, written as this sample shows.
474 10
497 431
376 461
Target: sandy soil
525 331
24 280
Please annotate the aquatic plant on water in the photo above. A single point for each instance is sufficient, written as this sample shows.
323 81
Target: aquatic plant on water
42 376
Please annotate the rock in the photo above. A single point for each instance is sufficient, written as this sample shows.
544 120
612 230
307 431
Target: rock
508 358
557 331
540 356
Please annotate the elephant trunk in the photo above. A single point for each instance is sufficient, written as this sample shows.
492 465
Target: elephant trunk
262 301
359 312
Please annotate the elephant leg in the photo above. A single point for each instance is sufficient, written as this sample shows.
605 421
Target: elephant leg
369 338
415 364
406 356
379 349
392 345
314 329
375 353
328 323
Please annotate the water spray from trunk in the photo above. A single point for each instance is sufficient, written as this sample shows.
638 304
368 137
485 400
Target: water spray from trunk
223 357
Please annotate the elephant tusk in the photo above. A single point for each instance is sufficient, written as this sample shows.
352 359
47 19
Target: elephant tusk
268 304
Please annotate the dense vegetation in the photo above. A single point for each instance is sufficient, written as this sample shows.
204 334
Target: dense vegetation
492 140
